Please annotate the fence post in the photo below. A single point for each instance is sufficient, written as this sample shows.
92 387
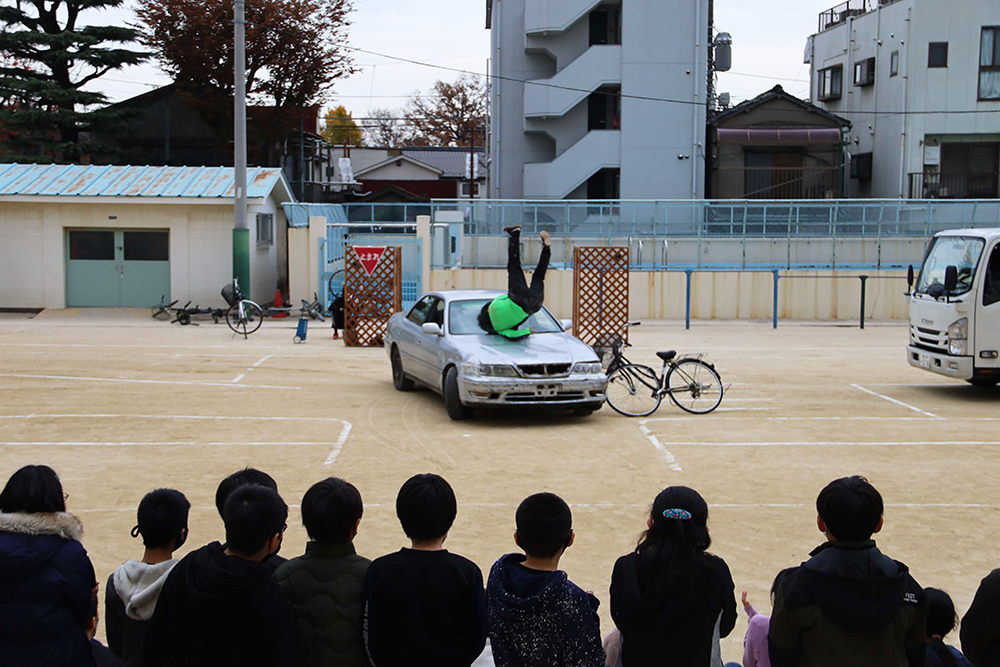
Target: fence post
687 307
864 280
774 308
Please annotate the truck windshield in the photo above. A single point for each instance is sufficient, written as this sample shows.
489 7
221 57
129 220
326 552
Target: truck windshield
962 252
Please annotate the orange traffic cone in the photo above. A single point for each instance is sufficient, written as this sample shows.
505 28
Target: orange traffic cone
278 304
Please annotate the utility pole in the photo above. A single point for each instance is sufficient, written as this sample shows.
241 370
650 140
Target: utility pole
241 230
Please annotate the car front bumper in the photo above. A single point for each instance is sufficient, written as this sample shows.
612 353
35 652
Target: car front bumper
571 390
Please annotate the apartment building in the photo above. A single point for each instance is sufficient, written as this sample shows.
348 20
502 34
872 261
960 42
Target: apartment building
598 99
920 82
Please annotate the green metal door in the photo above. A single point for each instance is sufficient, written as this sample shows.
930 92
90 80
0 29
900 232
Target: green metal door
117 267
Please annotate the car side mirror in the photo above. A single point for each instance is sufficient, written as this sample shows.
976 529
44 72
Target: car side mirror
950 279
431 329
566 324
909 279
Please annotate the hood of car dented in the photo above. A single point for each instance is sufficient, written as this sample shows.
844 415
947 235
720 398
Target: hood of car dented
544 348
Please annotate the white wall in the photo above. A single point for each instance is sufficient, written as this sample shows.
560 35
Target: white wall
33 254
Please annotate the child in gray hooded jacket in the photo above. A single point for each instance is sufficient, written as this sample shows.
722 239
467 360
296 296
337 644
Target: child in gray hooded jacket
134 588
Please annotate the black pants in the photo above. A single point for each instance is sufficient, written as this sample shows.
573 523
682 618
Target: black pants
530 298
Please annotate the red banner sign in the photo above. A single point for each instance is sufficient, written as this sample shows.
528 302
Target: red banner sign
369 256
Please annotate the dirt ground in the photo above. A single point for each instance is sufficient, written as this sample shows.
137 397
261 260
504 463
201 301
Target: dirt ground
120 404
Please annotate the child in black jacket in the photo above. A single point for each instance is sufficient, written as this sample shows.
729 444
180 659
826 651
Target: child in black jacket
535 615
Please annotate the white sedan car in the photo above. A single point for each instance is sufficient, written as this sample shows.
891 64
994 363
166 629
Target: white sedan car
439 344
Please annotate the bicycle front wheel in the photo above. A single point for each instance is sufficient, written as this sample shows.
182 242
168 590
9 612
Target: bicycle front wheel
244 317
633 390
694 386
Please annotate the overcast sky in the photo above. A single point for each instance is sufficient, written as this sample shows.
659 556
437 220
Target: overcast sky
768 43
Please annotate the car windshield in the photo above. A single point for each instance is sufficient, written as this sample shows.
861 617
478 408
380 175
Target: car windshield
463 319
962 252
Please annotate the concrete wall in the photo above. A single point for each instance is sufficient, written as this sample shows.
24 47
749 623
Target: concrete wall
303 260
802 295
33 247
897 141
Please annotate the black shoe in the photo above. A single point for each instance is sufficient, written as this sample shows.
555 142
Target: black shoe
513 230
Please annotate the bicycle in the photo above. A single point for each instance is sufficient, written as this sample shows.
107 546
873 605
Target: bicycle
635 390
244 316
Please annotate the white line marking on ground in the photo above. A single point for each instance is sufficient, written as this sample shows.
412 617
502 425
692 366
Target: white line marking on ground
893 400
339 445
184 443
916 443
671 461
738 506
262 361
240 418
239 377
190 384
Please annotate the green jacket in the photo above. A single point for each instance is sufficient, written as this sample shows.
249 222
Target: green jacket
326 590
506 316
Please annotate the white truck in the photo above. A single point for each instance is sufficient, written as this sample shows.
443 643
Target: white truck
955 307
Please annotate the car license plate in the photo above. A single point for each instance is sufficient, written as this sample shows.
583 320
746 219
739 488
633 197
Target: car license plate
546 390
925 361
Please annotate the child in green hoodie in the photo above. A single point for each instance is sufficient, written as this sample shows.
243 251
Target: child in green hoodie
505 313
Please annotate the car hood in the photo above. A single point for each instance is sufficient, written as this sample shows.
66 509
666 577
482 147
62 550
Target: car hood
533 349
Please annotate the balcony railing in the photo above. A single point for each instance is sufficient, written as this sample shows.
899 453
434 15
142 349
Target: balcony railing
952 185
846 10
776 183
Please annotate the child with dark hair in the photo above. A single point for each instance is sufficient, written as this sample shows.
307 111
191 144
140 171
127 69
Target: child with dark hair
980 630
425 606
535 615
848 604
941 619
670 598
326 586
47 583
133 588
219 605
505 313
246 477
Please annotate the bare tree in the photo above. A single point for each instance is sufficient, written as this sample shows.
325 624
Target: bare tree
385 127
452 115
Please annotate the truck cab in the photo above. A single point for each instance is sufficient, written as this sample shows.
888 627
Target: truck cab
955 307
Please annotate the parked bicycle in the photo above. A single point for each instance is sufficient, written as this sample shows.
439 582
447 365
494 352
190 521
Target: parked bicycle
636 390
245 316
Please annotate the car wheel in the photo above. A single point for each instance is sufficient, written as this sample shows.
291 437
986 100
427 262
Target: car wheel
456 410
399 379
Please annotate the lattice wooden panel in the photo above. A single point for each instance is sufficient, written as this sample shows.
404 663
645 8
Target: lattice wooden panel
369 301
600 293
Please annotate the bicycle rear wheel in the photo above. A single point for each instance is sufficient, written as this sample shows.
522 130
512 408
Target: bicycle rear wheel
633 390
244 321
694 386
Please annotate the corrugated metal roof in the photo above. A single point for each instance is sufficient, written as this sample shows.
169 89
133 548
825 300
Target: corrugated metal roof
60 180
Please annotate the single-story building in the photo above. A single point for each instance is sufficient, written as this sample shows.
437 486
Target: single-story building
83 235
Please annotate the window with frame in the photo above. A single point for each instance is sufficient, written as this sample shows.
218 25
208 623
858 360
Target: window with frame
265 229
465 189
831 83
937 54
989 64
894 63
864 72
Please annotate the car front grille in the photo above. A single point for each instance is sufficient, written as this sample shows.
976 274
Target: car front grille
929 339
544 370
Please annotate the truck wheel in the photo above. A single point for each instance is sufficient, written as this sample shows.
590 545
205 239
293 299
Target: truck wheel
984 382
452 404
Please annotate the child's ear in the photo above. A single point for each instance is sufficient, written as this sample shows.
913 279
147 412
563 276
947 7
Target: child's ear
517 541
878 527
821 524
649 522
572 538
356 524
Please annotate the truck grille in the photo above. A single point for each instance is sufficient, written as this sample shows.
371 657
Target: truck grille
929 339
544 370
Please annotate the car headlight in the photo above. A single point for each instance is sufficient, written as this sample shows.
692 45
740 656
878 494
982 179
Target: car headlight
958 336
469 367
588 367
498 370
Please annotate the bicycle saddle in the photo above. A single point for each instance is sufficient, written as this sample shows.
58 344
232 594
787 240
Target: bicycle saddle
668 355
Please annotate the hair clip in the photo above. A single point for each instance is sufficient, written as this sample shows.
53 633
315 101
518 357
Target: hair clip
683 515
135 530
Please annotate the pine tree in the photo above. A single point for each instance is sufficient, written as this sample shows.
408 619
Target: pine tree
47 56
